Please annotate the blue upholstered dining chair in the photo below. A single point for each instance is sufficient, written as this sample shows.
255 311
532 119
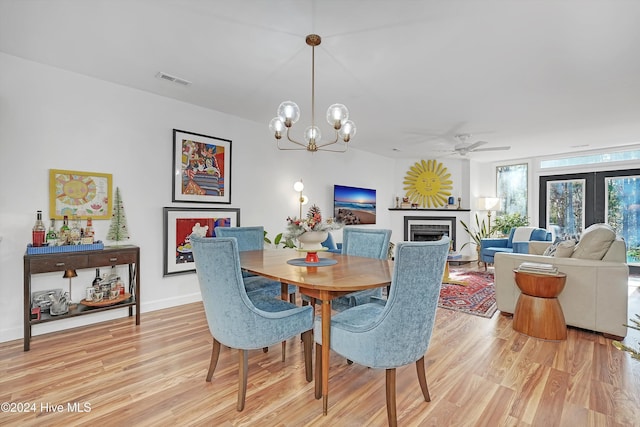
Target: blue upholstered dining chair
237 321
365 242
252 239
397 333
331 245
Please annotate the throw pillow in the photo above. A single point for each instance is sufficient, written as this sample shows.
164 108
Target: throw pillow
551 250
594 242
565 249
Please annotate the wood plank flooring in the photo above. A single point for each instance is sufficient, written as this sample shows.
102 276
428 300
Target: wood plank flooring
480 373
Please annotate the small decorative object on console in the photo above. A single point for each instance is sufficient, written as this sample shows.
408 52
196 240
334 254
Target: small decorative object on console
38 232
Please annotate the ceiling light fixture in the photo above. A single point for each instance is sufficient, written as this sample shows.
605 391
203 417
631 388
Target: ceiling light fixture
337 116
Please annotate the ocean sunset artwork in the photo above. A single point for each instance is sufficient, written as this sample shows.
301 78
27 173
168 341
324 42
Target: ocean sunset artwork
354 205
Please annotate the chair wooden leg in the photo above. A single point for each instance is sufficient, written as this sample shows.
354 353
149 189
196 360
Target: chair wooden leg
392 417
284 350
215 353
243 367
318 379
307 339
422 379
265 349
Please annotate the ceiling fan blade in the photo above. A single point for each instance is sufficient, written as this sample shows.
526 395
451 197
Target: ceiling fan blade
474 146
493 149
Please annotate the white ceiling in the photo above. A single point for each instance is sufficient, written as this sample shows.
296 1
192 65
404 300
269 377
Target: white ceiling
543 76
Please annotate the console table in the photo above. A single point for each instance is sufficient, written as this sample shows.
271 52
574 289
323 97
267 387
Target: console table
109 256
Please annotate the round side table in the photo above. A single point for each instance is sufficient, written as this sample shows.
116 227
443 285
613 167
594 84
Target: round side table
538 312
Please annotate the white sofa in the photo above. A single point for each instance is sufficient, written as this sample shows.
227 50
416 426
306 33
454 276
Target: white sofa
595 296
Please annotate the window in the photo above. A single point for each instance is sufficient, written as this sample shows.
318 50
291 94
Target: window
512 189
591 159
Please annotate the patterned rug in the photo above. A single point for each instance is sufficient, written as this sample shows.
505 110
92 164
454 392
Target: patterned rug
478 297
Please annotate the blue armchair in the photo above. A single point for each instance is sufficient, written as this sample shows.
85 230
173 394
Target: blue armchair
237 321
517 242
397 333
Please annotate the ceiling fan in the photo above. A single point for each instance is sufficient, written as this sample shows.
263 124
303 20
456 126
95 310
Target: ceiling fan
463 148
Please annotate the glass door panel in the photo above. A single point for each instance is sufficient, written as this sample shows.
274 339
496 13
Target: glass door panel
622 212
566 207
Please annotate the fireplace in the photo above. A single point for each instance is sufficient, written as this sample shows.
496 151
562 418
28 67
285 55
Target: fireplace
429 228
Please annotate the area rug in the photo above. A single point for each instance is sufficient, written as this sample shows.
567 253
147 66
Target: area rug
477 297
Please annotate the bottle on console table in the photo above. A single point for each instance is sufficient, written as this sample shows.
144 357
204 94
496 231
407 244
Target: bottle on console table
88 233
97 281
38 232
52 234
63 235
74 232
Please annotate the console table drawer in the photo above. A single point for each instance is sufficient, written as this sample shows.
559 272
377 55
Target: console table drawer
112 258
58 263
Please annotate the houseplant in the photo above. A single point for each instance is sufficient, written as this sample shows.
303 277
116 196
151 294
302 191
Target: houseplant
286 243
480 232
505 223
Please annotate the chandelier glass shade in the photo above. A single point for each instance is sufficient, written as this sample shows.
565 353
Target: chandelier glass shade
337 116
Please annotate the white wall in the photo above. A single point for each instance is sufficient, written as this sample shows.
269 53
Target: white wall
54 119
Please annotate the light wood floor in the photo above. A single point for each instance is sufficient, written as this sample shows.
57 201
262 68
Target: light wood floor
480 372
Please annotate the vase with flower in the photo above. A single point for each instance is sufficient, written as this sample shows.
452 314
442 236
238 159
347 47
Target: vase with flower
312 230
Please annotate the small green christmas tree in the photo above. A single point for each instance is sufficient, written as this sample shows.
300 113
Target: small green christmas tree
118 228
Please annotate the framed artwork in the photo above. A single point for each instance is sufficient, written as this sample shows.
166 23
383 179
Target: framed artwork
201 168
81 194
428 184
180 223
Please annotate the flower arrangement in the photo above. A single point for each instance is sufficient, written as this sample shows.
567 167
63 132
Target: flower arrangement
313 222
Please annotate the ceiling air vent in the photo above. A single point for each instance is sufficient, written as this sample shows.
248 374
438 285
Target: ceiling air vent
169 77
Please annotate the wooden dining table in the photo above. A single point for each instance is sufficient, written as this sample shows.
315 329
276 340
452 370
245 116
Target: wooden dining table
323 282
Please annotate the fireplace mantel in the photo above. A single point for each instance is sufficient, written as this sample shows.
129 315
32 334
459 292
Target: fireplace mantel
398 224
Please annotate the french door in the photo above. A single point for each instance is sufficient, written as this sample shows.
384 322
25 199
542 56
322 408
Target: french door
570 203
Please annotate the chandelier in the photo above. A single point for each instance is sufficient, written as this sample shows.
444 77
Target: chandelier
337 116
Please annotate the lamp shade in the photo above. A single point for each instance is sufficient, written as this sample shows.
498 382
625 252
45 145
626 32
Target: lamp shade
488 203
68 274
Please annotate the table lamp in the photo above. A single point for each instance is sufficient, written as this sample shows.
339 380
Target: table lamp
69 274
488 204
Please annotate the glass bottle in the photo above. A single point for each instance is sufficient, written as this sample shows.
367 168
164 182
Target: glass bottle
52 234
63 236
38 232
120 285
97 281
88 231
74 231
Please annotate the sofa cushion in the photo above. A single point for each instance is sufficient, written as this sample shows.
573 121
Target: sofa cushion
492 251
594 242
565 249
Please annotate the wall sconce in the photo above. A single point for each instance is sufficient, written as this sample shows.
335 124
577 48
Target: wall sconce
302 199
69 274
488 204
